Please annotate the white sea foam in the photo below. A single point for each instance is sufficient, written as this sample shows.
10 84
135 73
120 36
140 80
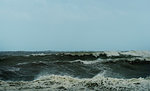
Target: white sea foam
57 83
23 63
131 53
86 62
112 53
101 82
39 54
99 60
118 53
108 53
137 53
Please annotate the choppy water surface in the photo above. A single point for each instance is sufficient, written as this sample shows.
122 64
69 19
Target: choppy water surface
75 70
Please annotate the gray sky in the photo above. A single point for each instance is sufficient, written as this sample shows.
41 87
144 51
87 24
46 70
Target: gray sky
74 25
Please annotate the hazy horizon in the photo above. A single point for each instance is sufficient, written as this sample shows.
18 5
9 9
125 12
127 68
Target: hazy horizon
73 50
74 25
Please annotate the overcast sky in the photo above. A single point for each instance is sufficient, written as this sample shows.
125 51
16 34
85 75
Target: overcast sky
74 25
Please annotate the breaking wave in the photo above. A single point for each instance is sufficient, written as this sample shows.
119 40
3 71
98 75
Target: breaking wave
61 83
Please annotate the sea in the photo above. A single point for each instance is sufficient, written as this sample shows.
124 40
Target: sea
75 71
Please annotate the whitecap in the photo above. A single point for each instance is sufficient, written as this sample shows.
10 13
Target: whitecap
100 83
